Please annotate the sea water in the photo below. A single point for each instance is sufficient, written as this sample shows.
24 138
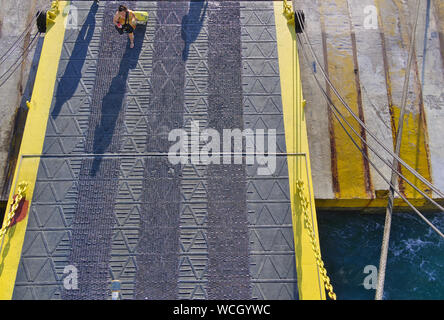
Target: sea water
350 241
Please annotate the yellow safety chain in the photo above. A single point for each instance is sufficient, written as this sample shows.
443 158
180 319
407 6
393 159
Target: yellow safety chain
314 245
288 12
21 193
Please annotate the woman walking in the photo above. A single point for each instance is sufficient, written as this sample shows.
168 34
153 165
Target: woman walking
125 21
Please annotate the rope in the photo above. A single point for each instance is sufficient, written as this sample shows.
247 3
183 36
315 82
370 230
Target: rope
14 46
377 154
372 149
378 112
375 151
338 114
389 209
361 123
15 65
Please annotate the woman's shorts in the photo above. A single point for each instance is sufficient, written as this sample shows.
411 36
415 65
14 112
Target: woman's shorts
127 28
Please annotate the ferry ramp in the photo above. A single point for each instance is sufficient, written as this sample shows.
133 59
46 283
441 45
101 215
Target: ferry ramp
105 203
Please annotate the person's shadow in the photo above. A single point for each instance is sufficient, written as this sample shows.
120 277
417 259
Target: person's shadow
113 100
192 24
73 73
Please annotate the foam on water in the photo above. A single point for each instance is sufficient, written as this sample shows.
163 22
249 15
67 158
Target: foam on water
350 241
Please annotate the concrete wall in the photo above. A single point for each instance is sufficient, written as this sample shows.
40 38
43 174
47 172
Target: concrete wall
14 17
367 66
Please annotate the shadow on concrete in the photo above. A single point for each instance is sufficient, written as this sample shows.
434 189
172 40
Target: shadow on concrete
71 78
19 128
113 100
192 23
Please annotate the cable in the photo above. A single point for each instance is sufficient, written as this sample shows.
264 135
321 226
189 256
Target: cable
391 185
387 149
15 65
389 209
414 172
334 109
22 35
370 147
378 155
14 46
20 56
378 113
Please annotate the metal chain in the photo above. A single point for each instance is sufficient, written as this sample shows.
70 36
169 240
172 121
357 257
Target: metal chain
290 15
21 193
314 245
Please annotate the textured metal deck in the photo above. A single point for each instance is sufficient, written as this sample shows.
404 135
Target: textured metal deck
165 231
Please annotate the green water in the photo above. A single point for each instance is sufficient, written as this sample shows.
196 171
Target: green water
350 241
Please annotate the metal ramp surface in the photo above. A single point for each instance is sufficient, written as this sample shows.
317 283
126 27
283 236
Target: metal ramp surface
166 231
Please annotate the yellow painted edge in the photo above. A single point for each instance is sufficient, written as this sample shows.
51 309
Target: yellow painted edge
310 285
351 174
32 143
360 204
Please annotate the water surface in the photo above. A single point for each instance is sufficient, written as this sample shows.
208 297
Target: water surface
351 240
